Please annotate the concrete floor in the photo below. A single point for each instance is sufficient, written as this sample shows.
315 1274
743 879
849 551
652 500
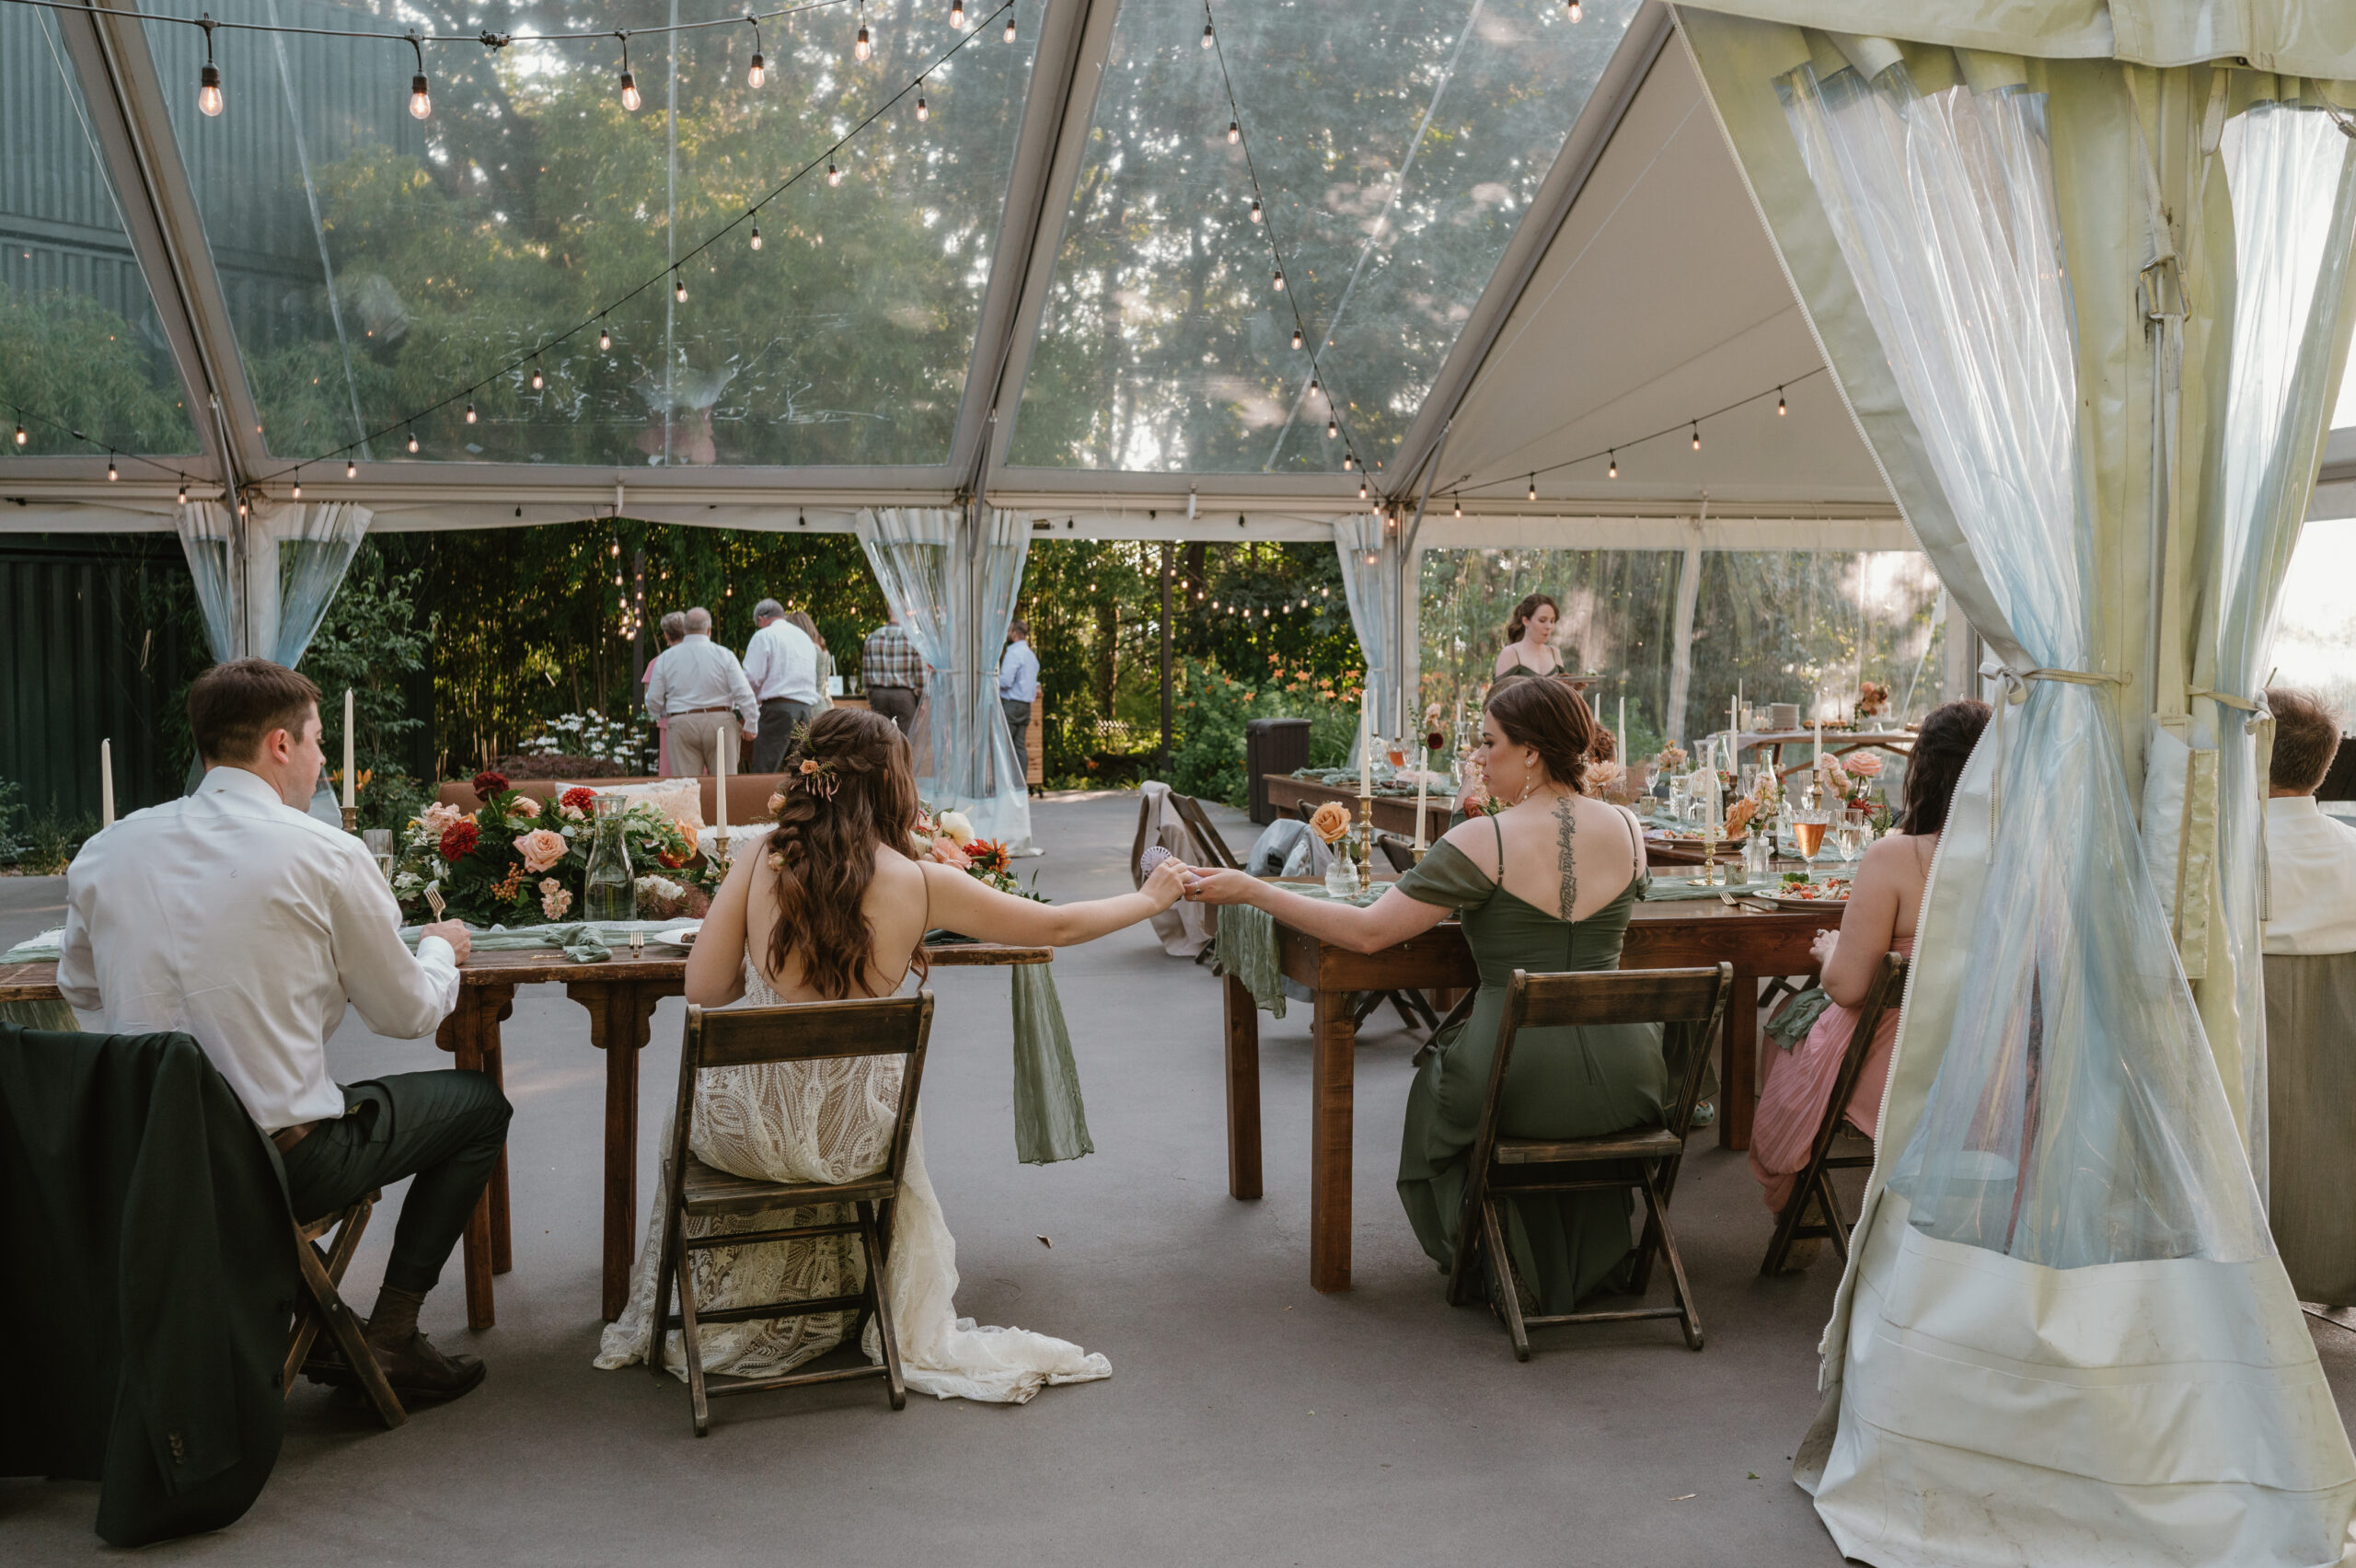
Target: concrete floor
1249 1419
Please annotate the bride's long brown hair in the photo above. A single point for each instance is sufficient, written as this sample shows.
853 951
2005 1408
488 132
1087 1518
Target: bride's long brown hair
848 788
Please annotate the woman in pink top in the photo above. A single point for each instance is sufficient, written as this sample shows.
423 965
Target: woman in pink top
1884 904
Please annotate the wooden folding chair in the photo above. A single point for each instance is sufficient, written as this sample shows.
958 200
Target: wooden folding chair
1815 1181
1198 823
320 1305
1691 1005
803 1031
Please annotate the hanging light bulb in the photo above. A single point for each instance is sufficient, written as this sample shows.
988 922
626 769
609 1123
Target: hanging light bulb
1697 435
350 470
756 236
1350 461
208 91
420 95
1256 209
1333 429
1780 408
412 438
605 341
834 175
1234 132
922 112
1296 340
183 496
1207 35
1577 15
1361 490
858 47
21 436
538 381
631 100
1533 487
678 286
1280 280
957 13
758 72
1459 506
1613 472
298 484
1313 389
470 410
112 472
1009 26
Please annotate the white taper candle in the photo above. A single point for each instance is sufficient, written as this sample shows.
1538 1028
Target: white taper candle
350 779
105 784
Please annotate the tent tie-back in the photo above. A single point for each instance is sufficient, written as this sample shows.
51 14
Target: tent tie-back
2013 687
2258 713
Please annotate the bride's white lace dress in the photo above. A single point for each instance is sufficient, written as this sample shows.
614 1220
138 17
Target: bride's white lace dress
829 1121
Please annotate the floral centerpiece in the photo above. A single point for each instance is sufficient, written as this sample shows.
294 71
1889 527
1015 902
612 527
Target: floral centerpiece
948 839
515 862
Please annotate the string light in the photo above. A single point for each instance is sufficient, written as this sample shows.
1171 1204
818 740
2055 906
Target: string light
1533 487
858 47
1314 389
1296 340
298 483
412 438
1234 132
1613 472
760 72
1577 15
208 91
1010 27
631 99
756 236
1206 34
1459 506
1780 408
1280 281
1361 490
537 380
350 470
421 98
957 14
605 341
112 472
21 436
183 496
1697 435
834 175
470 410
922 112
1256 209
678 286
1350 461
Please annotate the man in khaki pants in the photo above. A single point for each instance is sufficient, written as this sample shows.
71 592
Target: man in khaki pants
699 688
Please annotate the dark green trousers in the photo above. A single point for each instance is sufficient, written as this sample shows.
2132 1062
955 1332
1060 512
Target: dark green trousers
444 1128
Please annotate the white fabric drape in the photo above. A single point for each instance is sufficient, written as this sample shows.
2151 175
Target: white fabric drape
952 581
264 583
2064 1336
1370 557
2292 174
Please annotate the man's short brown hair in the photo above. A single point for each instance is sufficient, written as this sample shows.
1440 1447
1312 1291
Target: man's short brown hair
233 708
2307 735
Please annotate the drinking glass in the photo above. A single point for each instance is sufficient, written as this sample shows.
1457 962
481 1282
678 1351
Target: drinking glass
1850 839
379 841
1808 829
1397 752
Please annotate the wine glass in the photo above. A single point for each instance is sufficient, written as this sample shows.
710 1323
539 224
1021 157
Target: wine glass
1396 750
1852 836
1808 828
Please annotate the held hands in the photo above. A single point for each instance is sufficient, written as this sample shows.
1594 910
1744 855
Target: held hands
452 932
1221 887
1166 884
1821 949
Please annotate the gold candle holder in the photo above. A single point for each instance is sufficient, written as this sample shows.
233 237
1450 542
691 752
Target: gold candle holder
351 819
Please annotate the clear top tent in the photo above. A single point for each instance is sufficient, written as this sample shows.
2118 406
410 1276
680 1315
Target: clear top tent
1412 275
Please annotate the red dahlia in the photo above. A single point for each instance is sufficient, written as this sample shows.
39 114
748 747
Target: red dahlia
490 784
580 799
459 837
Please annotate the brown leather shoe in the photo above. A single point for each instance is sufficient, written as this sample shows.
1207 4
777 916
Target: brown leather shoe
420 1374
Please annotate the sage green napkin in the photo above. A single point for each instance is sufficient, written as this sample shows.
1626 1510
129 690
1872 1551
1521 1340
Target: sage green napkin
1050 1121
1247 944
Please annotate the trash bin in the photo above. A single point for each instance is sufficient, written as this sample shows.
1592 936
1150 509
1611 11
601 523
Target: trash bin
1272 745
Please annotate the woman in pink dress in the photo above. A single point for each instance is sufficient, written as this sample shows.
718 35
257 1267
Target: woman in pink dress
1884 903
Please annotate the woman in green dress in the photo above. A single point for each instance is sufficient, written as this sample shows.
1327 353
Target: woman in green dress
1529 640
1545 886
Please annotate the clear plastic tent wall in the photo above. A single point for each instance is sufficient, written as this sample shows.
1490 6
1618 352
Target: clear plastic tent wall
951 579
2076 1119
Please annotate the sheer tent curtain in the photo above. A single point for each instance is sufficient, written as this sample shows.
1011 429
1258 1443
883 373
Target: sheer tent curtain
2063 1293
264 583
1371 581
952 580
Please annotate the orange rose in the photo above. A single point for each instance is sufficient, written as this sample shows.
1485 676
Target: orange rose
1330 822
1738 816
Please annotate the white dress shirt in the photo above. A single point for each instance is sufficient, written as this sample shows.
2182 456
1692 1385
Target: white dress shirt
698 674
235 918
2312 861
1018 674
782 664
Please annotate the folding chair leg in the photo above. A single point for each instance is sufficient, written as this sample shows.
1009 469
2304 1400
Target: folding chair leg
1501 1278
667 1242
1640 1278
344 1329
1830 1202
689 1336
879 1299
1687 1314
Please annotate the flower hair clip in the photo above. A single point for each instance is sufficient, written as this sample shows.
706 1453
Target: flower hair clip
814 777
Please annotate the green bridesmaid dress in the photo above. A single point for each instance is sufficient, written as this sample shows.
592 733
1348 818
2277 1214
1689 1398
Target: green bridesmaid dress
1572 1082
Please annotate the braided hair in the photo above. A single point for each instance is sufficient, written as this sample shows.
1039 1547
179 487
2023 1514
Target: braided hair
823 847
1552 719
1941 748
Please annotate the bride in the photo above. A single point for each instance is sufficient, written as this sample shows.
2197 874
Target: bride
835 905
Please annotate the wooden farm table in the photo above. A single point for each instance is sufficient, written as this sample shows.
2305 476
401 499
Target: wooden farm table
620 996
1839 743
1662 936
1392 814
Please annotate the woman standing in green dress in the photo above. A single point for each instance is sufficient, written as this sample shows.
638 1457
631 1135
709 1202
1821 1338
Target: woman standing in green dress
1544 885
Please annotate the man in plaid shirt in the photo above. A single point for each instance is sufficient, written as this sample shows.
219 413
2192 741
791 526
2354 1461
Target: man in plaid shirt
893 672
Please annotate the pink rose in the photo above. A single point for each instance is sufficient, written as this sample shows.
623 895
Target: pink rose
524 806
542 849
440 818
554 899
1862 764
946 851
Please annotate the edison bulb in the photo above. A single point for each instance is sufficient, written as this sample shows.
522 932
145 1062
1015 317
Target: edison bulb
758 73
208 95
859 47
412 440
471 413
1010 27
1234 132
957 13
756 236
420 101
922 112
605 340
631 100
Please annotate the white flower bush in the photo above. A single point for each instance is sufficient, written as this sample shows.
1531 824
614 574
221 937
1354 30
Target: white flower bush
627 743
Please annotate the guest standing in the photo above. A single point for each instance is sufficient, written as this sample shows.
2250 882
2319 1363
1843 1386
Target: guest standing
674 627
1018 689
233 916
701 690
2310 1006
781 662
1529 640
826 659
1885 903
892 671
1545 886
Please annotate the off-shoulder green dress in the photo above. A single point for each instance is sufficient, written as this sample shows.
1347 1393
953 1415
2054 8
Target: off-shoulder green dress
1562 1083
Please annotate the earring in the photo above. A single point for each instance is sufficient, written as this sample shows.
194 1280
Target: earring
1529 784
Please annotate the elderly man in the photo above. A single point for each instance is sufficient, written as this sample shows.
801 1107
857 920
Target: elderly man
2310 1006
781 662
700 689
891 672
232 916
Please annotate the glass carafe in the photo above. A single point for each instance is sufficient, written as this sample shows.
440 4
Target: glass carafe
609 893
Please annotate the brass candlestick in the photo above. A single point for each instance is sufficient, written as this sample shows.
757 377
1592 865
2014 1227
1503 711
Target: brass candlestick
351 819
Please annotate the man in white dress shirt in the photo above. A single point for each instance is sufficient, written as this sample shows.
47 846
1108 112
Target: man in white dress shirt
697 685
781 662
235 918
2311 858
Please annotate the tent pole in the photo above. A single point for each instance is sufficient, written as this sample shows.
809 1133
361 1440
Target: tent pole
1680 657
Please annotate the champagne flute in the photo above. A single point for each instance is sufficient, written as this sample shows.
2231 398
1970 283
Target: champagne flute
1850 839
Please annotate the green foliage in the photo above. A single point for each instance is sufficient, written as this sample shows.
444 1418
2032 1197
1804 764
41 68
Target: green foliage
370 641
1209 761
67 357
12 808
48 841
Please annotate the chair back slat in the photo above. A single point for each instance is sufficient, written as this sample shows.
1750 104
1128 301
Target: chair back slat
1198 823
802 1032
1619 996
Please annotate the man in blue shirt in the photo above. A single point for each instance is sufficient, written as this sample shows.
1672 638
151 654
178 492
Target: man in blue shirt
1018 687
